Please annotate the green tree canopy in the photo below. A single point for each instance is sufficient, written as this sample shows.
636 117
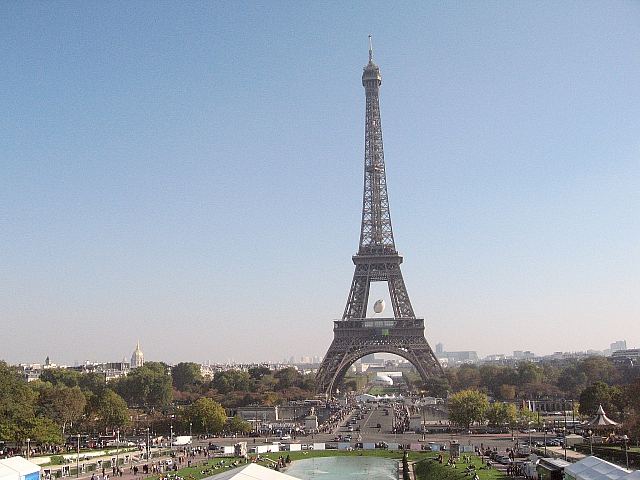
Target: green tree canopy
287 378
468 376
599 393
500 414
237 425
57 376
467 407
112 410
63 405
231 380
186 376
207 416
258 372
437 386
146 386
528 372
17 400
45 430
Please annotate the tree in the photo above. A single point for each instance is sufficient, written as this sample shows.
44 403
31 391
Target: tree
437 386
92 382
500 414
112 410
598 369
258 372
61 404
17 400
148 386
507 392
467 407
287 378
207 415
599 393
238 425
231 380
57 376
494 376
468 377
528 372
526 416
45 430
186 375
572 380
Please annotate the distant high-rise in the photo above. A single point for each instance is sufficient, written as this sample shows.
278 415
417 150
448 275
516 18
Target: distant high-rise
619 345
439 348
137 358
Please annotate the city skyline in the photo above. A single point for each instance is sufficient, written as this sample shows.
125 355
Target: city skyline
192 176
306 358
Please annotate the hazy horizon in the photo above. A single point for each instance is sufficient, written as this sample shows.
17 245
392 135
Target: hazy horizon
190 175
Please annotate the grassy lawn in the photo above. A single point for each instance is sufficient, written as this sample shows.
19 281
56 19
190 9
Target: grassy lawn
381 390
201 471
430 469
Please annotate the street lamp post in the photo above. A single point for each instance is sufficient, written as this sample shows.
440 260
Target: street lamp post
171 436
544 428
117 447
564 442
190 429
28 447
78 458
626 449
147 444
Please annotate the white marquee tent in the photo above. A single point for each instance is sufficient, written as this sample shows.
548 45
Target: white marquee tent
594 468
252 471
22 469
7 474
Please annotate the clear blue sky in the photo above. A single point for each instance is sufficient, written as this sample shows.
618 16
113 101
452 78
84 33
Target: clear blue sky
190 174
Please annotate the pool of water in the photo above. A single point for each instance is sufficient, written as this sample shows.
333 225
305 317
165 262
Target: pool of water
352 468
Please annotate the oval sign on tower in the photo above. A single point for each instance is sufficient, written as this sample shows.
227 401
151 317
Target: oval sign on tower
378 307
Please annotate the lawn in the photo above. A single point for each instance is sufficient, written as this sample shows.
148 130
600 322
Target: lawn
202 470
430 469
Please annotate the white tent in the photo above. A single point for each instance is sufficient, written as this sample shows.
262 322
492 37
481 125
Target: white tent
601 420
23 468
594 468
252 471
7 474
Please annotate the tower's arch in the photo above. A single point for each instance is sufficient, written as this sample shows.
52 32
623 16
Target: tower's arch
353 357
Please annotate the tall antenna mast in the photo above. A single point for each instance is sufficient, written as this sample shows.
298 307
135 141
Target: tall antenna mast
370 50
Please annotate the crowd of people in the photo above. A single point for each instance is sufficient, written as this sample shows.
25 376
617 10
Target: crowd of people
334 420
32 450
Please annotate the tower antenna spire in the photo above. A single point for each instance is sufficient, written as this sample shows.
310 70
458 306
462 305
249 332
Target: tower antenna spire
370 50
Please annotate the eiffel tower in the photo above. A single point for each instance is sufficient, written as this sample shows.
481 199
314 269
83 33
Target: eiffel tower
377 260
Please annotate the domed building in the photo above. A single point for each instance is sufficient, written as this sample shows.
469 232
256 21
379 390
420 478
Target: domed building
137 358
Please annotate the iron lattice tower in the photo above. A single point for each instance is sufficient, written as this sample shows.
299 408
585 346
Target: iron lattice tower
377 260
